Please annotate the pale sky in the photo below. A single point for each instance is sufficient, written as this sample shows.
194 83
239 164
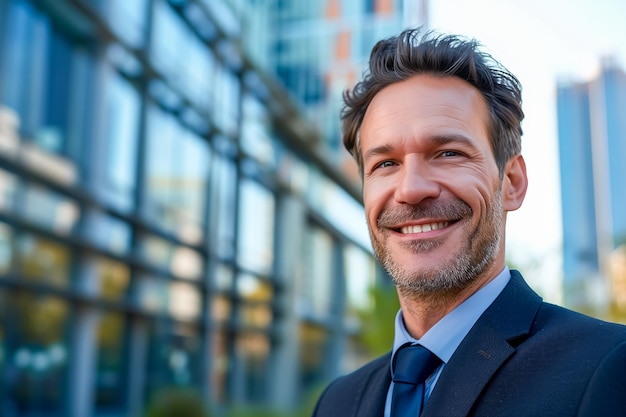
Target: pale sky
541 42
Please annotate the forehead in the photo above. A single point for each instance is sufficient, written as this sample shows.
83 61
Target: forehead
426 105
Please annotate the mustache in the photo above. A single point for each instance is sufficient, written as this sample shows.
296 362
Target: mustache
452 210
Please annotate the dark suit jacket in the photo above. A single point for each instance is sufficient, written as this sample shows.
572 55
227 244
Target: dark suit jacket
522 358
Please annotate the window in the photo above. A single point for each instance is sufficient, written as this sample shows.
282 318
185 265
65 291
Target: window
43 260
255 136
256 295
315 293
256 228
6 248
113 279
35 381
251 375
177 173
121 130
181 261
49 209
111 368
128 19
222 200
226 91
360 276
174 357
8 188
174 42
107 232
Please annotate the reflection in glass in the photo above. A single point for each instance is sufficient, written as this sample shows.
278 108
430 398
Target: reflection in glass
222 213
127 19
49 209
108 232
8 188
338 207
37 358
121 130
185 301
43 260
173 358
224 16
151 294
221 357
177 165
256 230
292 171
111 363
6 248
255 135
114 279
313 341
221 308
181 261
4 367
256 315
360 276
253 354
223 277
174 42
22 21
315 293
226 90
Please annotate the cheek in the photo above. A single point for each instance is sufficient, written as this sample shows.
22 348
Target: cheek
373 204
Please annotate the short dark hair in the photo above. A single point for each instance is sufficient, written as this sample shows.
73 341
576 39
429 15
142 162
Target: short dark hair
414 52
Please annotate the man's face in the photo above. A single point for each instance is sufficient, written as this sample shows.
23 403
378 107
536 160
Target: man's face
431 187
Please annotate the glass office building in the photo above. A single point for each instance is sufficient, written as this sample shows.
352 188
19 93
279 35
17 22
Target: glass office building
166 216
317 48
592 145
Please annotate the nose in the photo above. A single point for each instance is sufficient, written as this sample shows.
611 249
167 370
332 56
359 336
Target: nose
417 182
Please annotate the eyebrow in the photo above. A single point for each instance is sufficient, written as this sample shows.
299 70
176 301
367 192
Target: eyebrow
435 139
377 150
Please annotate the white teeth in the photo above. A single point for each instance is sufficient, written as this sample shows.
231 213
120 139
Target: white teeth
421 228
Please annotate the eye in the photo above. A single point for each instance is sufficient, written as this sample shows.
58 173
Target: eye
450 154
385 164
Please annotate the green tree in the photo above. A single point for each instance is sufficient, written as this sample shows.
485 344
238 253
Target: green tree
378 328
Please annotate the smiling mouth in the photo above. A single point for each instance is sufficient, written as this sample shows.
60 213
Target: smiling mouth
422 228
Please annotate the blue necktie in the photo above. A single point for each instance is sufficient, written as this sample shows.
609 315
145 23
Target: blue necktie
412 365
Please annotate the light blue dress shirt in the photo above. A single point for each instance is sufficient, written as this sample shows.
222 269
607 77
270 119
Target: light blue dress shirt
446 335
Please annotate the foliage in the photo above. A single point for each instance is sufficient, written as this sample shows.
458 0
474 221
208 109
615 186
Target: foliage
378 322
177 402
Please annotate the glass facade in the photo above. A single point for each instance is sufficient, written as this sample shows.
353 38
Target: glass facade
166 219
592 140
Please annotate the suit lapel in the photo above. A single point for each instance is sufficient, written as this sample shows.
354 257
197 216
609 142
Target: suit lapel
371 402
486 347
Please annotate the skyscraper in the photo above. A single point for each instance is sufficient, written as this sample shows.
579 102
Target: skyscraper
592 147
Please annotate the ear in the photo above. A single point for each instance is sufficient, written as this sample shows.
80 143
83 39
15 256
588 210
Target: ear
514 183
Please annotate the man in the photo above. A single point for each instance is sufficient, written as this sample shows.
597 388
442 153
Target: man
435 130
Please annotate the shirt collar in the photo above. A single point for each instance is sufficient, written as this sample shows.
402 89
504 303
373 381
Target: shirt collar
446 335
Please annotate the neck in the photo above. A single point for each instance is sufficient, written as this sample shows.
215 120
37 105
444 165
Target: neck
422 311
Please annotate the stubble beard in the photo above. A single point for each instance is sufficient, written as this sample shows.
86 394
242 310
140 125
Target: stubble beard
461 268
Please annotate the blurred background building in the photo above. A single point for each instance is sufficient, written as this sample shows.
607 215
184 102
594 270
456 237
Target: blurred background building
173 210
176 209
592 147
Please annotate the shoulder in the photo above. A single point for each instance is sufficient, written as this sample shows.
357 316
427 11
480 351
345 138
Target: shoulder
520 305
573 326
353 381
345 393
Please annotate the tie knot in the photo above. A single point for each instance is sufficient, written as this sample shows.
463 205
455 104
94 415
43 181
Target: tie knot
413 364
